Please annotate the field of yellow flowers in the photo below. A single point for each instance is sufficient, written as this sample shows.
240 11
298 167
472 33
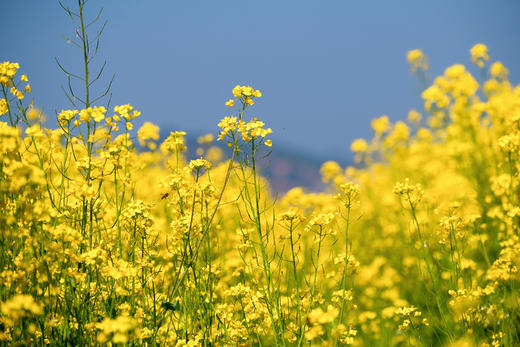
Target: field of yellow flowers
416 245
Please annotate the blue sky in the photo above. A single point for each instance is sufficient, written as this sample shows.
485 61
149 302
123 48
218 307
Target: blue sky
326 68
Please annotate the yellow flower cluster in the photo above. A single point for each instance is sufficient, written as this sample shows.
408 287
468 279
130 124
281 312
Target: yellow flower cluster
175 142
456 83
92 113
124 111
248 131
7 72
411 318
197 164
245 94
359 146
417 60
411 193
148 131
116 330
105 244
253 130
21 305
479 54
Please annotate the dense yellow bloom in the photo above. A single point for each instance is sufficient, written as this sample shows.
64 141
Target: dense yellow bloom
434 95
117 330
21 305
510 143
317 318
106 244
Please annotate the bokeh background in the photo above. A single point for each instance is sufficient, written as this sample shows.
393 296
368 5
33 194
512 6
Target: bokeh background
326 68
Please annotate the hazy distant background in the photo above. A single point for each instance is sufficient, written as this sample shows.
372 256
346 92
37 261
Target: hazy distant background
325 68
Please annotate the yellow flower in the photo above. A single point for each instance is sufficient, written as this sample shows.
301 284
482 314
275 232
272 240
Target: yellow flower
3 107
147 131
417 60
329 170
359 146
174 142
18 94
498 70
479 54
237 91
34 130
33 113
230 103
247 92
412 193
95 113
380 125
215 154
124 111
7 72
205 139
414 116
434 95
227 124
67 115
21 305
197 164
